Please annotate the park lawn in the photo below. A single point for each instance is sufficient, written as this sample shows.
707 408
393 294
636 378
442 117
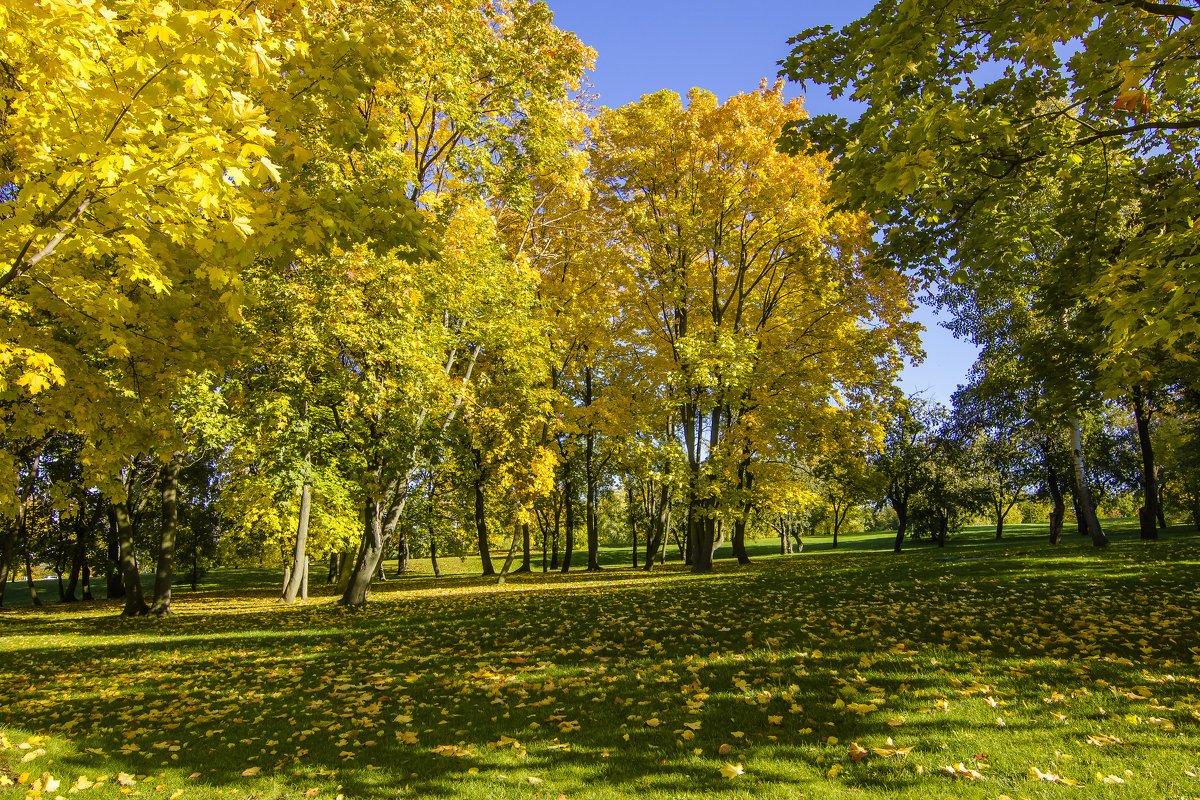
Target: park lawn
1007 668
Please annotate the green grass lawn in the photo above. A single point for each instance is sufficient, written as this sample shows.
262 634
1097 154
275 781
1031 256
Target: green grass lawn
994 669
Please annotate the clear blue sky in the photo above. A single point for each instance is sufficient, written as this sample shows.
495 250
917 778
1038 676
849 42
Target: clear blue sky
728 47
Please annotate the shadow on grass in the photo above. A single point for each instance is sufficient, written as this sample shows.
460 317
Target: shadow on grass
787 653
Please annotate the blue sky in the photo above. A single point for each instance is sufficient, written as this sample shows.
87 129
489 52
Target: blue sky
726 48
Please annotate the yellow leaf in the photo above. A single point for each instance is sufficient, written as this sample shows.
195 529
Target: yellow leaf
250 772
732 770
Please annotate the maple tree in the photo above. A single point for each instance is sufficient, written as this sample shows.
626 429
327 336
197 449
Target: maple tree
973 104
747 298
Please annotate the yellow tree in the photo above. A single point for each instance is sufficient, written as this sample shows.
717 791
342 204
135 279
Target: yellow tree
757 307
132 154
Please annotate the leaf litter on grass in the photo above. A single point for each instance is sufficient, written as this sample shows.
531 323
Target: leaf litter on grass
596 683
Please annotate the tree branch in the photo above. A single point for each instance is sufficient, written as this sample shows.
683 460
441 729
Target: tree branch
1158 9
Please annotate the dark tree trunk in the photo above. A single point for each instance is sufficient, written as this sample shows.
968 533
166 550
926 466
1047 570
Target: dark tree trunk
114 586
840 510
86 580
131 580
569 545
8 535
702 552
1000 515
1083 496
1148 516
79 555
437 571
901 509
526 564
943 521
481 530
33 594
1162 517
632 520
743 521
590 481
169 484
557 531
334 568
662 521
1059 510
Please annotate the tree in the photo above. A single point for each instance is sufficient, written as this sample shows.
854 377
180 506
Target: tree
903 462
968 108
747 300
847 481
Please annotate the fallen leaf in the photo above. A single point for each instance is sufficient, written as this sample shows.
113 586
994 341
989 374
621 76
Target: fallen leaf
732 770
960 770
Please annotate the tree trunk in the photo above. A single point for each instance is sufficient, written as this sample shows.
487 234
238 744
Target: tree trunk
114 586
1000 515
557 532
746 479
403 554
304 582
33 594
299 554
512 551
706 536
662 520
481 518
1148 518
370 552
901 510
839 515
593 528
86 580
526 563
131 580
78 556
334 567
437 571
632 520
1083 495
590 481
1059 511
9 535
169 484
569 545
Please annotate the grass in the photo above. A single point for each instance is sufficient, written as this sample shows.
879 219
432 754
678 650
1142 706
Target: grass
1029 666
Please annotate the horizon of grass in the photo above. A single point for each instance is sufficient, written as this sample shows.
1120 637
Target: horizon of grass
260 579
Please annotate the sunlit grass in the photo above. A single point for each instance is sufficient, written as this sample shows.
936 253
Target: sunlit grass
1013 659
